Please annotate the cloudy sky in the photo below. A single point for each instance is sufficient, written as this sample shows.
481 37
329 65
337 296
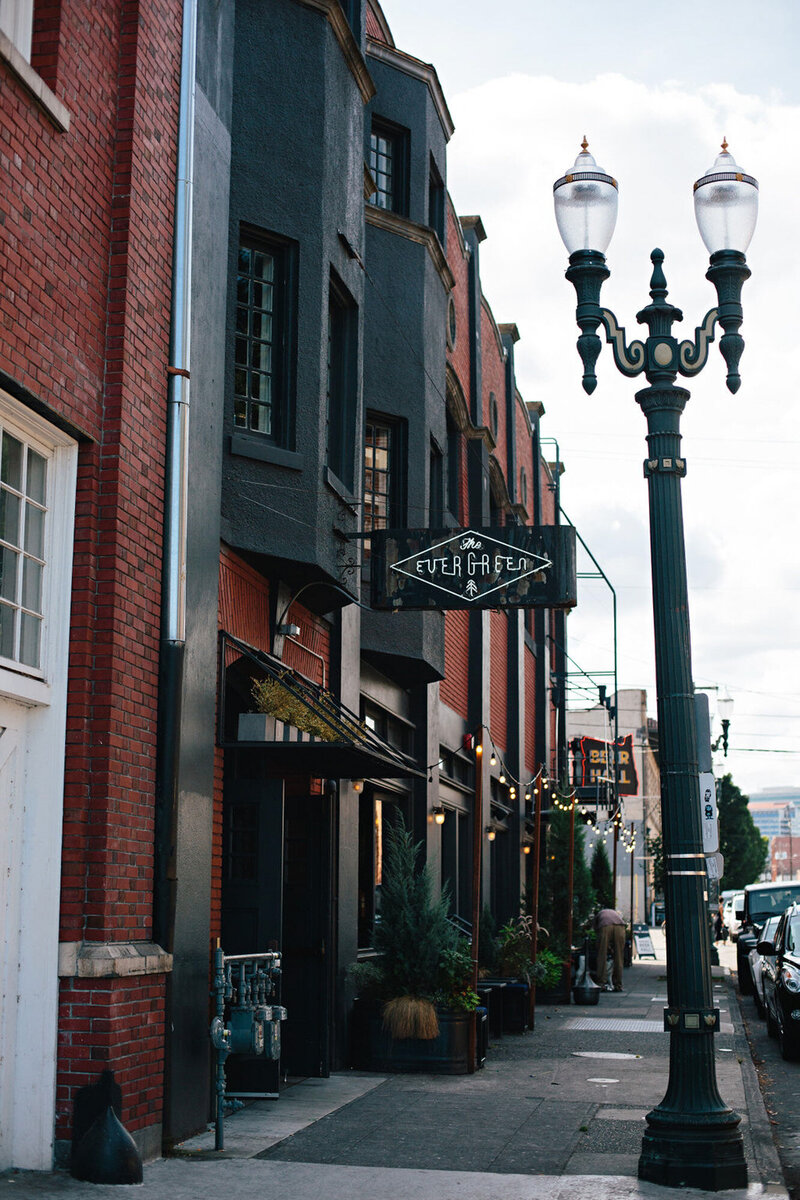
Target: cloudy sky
655 89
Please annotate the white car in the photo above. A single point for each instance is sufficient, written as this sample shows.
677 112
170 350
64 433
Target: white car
729 914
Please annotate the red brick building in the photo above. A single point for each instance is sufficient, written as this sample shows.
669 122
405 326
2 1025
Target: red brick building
88 159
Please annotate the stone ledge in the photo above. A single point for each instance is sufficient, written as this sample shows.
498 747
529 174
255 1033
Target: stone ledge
56 111
108 960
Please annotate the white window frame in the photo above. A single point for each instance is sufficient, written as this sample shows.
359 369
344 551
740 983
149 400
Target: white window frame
18 681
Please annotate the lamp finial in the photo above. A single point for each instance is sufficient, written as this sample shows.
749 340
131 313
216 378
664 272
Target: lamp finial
724 144
584 144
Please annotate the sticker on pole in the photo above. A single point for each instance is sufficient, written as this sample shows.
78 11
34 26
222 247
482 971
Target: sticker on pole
708 812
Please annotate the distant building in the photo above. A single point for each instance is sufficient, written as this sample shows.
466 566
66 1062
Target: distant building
626 783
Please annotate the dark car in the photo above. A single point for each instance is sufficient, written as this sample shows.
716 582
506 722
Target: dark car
757 963
781 982
761 900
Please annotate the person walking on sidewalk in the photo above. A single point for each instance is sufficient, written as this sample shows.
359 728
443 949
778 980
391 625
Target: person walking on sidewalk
610 928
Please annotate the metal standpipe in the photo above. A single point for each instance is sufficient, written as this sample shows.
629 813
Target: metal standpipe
245 1021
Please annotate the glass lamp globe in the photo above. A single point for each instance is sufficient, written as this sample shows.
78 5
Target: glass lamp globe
585 200
725 707
726 205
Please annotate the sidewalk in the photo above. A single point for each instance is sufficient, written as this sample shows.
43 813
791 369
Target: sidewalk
556 1114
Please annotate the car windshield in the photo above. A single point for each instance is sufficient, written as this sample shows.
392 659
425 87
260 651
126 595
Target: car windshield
764 904
793 934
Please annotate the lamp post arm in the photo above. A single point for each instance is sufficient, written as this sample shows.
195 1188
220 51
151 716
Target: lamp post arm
693 356
630 359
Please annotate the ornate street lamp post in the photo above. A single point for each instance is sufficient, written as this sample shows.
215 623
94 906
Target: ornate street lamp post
692 1137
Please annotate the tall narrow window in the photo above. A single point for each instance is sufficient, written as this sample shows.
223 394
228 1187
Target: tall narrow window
384 474
453 469
263 353
388 162
436 201
341 383
23 512
435 488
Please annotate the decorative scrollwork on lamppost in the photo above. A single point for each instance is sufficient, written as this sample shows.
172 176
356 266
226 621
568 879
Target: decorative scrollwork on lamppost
692 1137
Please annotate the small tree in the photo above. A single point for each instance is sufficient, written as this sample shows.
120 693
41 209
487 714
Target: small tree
602 877
655 848
555 878
742 846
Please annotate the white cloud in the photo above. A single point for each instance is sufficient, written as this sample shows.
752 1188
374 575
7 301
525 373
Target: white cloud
514 136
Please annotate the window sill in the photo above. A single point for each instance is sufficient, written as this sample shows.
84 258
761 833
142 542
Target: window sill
25 689
340 491
55 110
250 447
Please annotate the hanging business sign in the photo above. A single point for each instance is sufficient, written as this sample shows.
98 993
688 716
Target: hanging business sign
594 765
518 566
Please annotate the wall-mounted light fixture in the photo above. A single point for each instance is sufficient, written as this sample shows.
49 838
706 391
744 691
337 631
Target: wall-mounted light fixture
358 785
290 630
438 815
491 833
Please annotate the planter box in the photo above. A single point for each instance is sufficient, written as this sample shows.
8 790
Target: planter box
514 1001
375 1050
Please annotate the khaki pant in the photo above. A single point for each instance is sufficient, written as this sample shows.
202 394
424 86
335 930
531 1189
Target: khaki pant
616 935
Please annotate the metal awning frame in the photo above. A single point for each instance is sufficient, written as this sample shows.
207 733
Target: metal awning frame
342 747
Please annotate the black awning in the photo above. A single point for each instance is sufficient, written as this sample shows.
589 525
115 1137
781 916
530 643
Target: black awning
302 728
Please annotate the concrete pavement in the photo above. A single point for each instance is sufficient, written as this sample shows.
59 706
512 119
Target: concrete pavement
556 1114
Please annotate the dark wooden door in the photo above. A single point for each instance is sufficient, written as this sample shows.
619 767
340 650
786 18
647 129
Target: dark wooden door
307 935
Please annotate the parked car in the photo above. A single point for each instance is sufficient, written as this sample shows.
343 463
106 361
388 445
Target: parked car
761 900
781 977
730 902
756 960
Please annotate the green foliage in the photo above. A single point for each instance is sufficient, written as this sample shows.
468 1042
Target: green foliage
555 878
488 944
549 969
420 953
655 848
742 846
602 875
515 948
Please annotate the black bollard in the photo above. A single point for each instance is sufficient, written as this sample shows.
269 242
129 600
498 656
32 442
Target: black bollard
102 1149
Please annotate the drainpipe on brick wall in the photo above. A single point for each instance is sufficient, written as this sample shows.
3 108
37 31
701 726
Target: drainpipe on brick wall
173 615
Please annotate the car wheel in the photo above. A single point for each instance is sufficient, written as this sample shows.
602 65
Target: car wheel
788 1044
772 1027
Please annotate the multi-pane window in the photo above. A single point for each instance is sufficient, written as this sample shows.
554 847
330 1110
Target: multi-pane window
262 348
23 513
255 384
388 154
378 471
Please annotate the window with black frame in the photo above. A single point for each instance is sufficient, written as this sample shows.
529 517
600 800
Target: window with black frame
388 163
377 809
384 474
263 338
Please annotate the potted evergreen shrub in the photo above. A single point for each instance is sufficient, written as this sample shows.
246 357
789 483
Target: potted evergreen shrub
415 1005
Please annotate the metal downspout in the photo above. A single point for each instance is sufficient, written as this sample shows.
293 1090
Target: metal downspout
173 616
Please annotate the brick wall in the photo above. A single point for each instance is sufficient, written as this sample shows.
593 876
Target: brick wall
494 380
86 265
530 712
498 678
118 1023
453 689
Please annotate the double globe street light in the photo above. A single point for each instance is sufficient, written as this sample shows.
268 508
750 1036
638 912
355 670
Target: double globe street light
692 1137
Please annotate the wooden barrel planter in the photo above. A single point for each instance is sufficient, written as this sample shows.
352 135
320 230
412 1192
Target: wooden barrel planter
373 1049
